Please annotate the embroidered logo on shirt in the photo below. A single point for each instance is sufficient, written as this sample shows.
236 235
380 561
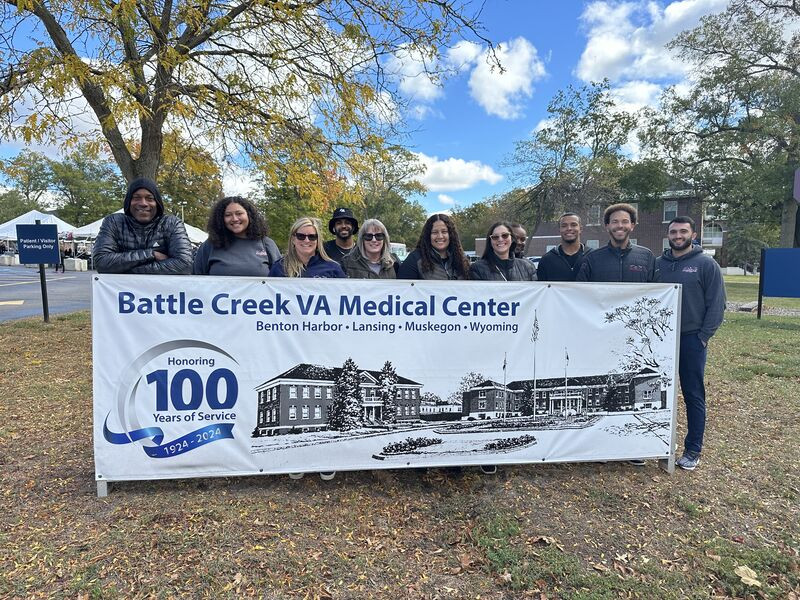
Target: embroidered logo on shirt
690 269
636 268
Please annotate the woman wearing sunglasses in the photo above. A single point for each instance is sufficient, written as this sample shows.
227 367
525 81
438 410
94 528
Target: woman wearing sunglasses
305 256
371 258
438 254
498 262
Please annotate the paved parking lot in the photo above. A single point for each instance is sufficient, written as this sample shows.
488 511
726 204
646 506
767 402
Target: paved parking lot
21 294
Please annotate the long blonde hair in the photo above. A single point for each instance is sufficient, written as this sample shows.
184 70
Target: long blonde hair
292 265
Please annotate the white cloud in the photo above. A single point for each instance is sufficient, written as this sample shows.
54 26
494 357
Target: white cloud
464 54
445 199
453 174
409 68
626 39
237 181
503 93
634 95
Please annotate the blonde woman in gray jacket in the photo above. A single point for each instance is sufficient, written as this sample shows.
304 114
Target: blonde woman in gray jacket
371 258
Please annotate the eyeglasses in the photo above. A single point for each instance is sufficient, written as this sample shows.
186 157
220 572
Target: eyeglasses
522 240
306 236
374 236
498 236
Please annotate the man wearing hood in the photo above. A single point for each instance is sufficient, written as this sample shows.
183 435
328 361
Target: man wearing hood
142 239
702 311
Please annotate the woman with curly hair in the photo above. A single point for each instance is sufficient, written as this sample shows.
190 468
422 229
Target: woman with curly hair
305 256
237 241
438 254
498 262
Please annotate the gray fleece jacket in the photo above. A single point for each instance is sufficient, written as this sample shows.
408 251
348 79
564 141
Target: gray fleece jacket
703 300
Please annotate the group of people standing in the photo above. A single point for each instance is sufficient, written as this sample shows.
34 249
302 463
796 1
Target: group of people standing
143 239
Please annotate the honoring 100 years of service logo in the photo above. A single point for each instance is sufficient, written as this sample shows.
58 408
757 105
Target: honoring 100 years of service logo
174 398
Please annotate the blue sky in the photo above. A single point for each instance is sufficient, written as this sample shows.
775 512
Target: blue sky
471 126
465 128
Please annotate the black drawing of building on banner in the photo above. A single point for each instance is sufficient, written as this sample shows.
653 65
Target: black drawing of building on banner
610 392
299 399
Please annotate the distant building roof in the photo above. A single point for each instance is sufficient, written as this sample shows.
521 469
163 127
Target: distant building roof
306 371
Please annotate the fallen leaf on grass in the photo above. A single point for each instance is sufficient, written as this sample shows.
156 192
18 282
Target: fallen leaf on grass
541 540
747 575
600 567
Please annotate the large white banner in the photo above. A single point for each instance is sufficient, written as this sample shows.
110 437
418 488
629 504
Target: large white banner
207 376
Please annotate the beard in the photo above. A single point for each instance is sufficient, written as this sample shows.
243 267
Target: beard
344 233
680 247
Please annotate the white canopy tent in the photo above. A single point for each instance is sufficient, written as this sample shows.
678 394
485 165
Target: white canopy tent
90 231
8 230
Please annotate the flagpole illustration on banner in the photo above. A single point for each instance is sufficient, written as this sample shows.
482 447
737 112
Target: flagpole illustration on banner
534 338
566 364
505 390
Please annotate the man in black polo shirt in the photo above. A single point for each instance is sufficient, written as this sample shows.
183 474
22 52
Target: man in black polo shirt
619 260
563 262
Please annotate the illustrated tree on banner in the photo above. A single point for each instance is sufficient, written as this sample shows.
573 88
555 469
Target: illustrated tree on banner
468 381
649 322
345 411
388 392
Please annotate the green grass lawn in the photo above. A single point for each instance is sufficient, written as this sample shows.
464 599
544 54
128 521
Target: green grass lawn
744 288
730 529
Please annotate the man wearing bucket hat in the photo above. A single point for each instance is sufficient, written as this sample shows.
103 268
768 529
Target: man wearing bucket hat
344 226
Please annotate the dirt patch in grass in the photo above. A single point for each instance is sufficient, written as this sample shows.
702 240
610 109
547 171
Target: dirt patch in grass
544 531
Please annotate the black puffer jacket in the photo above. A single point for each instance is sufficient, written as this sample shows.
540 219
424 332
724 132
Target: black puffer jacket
634 264
124 245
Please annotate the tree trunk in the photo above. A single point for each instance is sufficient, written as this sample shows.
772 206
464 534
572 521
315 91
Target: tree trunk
789 234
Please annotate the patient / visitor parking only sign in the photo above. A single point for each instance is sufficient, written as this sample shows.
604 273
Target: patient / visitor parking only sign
38 244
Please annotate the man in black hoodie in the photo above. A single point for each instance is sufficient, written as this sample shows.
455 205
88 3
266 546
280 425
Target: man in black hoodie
702 311
142 239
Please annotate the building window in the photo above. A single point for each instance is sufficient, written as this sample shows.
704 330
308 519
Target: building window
634 241
593 244
482 394
413 410
305 411
305 391
317 412
399 411
328 393
664 243
594 215
292 412
670 210
647 395
317 392
481 404
292 391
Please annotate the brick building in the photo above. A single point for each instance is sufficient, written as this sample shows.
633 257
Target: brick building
299 399
650 231
570 396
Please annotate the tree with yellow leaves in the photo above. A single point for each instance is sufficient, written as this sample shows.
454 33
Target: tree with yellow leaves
297 88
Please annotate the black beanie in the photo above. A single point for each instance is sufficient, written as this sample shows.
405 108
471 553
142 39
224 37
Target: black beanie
143 183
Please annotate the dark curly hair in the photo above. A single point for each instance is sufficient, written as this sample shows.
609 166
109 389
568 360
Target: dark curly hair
488 251
428 254
220 236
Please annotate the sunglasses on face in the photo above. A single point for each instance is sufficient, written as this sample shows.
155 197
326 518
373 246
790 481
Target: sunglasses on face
499 236
306 236
374 236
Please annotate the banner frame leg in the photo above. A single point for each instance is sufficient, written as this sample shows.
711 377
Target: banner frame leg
668 464
102 489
